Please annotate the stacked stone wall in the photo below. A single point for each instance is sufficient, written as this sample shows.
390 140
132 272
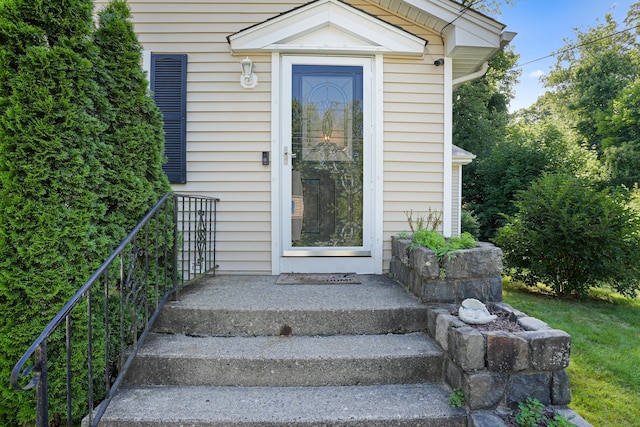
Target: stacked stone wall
469 273
496 368
499 369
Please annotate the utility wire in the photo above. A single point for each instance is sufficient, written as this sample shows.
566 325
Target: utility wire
575 47
462 12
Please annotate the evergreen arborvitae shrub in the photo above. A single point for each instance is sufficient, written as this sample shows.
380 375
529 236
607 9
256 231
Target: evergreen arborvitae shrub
52 184
135 134
81 153
571 236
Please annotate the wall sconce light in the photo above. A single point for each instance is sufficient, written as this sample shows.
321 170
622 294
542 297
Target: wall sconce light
438 62
248 80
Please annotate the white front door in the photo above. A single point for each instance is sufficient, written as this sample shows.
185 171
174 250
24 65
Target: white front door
326 180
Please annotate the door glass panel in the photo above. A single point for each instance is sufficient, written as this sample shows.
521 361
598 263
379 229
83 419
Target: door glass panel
327 156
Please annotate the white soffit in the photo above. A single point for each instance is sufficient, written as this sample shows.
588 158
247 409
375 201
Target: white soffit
471 38
329 26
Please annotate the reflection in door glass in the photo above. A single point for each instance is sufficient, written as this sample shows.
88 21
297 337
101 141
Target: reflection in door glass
327 164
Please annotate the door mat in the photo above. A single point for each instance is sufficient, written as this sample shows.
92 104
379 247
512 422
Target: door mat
318 279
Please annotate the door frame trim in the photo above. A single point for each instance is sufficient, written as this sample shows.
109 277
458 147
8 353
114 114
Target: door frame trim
373 263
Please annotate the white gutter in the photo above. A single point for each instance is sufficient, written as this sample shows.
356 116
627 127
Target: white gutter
481 72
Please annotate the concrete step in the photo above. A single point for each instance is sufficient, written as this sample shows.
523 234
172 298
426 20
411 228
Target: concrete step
287 361
245 351
256 305
371 406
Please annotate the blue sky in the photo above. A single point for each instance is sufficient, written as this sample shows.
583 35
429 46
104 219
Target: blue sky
542 27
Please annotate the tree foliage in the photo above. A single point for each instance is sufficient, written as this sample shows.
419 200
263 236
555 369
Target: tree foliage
134 133
80 163
595 80
51 174
585 128
512 165
491 7
480 118
621 131
572 236
480 107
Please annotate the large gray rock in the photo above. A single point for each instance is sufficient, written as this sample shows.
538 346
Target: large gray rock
486 419
560 388
532 324
534 385
452 374
506 352
550 349
438 291
443 323
426 262
474 263
483 390
432 318
467 348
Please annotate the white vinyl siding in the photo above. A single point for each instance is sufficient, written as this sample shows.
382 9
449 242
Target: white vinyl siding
413 130
413 143
456 198
229 127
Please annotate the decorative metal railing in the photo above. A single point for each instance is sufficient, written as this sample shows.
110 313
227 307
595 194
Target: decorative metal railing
112 313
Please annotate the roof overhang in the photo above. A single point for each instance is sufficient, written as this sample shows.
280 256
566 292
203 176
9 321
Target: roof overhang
470 38
461 157
328 26
335 27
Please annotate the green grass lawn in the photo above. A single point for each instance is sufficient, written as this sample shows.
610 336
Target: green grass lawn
605 351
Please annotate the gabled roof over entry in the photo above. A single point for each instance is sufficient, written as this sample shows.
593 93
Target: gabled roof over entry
329 26
333 26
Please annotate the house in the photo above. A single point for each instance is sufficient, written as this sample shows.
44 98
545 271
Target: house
318 124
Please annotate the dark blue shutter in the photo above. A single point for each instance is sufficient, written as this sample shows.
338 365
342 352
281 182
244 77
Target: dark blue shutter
169 87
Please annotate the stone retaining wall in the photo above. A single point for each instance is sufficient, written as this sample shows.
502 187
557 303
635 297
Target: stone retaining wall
469 273
493 369
500 368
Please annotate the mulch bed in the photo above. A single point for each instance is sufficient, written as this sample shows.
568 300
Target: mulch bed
502 323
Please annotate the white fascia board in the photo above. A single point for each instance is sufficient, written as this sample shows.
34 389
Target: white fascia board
448 152
361 32
447 11
276 213
458 37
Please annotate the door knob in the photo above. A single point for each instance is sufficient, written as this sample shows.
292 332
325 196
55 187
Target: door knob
287 154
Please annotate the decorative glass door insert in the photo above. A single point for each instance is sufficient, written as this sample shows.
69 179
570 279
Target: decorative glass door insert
327 156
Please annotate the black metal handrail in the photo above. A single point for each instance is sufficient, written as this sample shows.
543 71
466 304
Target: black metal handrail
174 243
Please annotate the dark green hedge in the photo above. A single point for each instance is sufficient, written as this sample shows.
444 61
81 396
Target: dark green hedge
81 148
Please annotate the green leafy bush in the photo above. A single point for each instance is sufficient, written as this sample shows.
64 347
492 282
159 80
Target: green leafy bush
531 413
51 186
469 223
442 245
571 236
513 164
